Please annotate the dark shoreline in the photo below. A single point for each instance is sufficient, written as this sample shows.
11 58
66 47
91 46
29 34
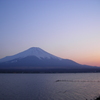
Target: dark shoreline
92 70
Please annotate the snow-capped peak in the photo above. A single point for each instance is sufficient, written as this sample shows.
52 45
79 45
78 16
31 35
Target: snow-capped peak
33 51
38 52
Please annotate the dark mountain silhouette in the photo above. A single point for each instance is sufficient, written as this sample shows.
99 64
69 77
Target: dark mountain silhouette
38 60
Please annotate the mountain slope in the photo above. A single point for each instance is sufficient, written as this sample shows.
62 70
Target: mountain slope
34 51
36 59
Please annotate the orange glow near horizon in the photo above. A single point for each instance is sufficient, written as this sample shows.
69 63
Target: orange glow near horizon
91 62
85 59
92 59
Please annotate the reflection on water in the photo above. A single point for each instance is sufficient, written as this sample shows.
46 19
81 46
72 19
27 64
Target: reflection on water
80 86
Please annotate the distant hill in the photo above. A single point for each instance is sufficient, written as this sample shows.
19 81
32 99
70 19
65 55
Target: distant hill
36 60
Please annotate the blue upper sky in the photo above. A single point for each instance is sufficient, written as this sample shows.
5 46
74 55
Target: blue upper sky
66 28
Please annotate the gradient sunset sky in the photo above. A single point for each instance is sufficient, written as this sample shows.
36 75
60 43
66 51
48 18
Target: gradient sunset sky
65 28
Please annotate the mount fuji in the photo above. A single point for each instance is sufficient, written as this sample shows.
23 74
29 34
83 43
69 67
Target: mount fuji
36 60
34 51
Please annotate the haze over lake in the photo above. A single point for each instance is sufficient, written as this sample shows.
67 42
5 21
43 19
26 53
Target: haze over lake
49 86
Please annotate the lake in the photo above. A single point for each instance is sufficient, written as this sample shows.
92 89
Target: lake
69 86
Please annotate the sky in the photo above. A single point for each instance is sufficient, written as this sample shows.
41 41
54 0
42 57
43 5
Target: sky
69 29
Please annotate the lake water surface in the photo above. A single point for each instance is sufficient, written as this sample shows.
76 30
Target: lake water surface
80 86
